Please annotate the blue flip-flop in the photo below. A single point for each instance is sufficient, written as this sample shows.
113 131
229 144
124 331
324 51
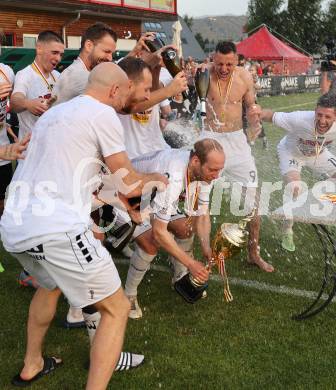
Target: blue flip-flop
50 364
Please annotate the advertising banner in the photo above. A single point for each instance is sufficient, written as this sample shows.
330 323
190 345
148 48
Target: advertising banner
282 85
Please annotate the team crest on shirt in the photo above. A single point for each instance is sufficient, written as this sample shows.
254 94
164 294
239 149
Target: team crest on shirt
142 117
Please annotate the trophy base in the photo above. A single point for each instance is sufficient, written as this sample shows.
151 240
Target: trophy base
188 291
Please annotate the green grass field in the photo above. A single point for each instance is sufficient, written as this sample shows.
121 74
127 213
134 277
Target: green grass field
251 343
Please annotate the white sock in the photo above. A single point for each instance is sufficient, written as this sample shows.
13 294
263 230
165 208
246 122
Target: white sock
288 226
187 245
139 264
92 322
74 315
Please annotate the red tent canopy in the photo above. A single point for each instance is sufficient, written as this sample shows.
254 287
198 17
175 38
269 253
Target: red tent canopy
264 46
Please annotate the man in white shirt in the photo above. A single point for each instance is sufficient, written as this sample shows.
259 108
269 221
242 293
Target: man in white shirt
309 133
143 128
99 42
6 86
34 84
46 223
192 172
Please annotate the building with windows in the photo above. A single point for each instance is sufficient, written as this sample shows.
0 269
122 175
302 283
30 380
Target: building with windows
164 29
22 20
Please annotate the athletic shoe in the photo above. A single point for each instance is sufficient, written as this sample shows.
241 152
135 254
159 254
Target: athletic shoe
288 242
129 360
27 280
136 311
74 319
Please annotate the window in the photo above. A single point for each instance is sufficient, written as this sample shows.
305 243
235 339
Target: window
29 40
147 25
74 42
8 39
153 26
158 26
162 35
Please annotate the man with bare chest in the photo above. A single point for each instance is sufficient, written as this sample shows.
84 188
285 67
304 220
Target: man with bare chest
230 87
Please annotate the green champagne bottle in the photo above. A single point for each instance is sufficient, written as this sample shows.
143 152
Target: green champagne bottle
173 65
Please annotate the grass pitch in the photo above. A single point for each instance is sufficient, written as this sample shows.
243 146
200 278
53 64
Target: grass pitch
251 343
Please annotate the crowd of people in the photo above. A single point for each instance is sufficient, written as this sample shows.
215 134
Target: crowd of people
90 151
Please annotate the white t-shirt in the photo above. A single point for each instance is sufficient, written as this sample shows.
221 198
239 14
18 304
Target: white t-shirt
72 82
301 140
165 76
142 132
32 85
3 106
51 193
174 163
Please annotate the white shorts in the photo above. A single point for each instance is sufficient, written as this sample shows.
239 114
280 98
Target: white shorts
239 166
325 163
78 265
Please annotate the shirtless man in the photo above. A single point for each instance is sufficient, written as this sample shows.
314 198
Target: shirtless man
230 86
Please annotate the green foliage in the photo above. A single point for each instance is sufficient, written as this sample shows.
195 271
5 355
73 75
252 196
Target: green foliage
302 22
202 42
263 11
189 20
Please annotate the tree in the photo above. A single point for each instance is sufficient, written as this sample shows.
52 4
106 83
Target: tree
264 12
301 22
329 22
189 21
200 40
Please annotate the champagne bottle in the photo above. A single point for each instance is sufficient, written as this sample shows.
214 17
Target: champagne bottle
202 82
155 45
173 65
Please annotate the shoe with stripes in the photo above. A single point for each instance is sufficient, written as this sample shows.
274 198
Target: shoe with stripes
129 360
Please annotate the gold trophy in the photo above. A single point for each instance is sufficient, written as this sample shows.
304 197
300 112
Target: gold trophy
229 239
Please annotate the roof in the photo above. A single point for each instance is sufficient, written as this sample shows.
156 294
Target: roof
89 7
264 45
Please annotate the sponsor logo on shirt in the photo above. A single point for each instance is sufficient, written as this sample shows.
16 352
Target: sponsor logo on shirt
308 147
142 117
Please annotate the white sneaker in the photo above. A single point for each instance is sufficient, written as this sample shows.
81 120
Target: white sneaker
136 311
129 360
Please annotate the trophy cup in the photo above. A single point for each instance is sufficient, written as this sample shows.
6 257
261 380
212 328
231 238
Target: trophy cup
229 239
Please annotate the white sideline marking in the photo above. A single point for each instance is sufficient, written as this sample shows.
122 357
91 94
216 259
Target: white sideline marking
296 105
246 283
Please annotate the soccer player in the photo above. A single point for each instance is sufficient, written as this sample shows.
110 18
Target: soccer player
189 171
34 84
51 235
230 87
309 133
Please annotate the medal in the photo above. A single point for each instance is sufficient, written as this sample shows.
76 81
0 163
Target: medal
39 72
